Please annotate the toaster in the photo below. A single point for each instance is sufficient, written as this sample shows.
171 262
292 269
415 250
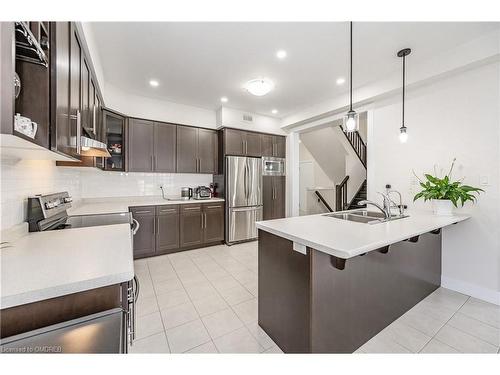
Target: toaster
202 192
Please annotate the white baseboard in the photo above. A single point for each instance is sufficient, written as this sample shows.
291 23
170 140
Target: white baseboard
488 295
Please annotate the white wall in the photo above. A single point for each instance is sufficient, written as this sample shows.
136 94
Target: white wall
233 118
454 117
157 109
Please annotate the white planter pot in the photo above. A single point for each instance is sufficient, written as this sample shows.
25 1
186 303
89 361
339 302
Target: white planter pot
442 207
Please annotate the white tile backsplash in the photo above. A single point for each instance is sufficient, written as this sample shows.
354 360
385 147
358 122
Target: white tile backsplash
22 178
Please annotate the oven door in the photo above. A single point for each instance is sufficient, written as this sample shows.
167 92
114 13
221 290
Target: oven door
273 166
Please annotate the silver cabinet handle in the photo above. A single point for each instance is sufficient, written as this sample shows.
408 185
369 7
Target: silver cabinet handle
155 164
192 208
93 121
213 206
205 216
135 226
78 132
143 212
152 163
169 210
202 221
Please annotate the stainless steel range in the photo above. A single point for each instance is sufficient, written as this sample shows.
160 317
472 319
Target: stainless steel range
49 212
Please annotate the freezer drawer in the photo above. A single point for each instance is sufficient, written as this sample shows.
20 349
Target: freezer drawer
241 223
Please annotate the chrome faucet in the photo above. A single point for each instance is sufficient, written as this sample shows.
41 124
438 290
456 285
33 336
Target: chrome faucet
387 215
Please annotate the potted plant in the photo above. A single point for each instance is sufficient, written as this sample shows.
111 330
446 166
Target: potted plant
445 193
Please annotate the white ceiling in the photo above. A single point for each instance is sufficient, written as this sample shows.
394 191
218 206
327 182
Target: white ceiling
197 63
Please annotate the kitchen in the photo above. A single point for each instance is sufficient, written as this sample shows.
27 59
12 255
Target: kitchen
158 215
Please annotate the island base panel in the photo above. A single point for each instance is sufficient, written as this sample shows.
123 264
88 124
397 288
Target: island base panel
306 305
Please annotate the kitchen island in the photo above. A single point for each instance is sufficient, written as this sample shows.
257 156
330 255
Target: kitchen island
328 285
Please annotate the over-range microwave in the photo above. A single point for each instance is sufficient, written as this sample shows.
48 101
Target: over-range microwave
273 166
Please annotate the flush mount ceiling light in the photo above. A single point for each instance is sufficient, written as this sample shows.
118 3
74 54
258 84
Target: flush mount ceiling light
259 86
224 99
281 54
274 111
154 83
340 81
351 123
403 135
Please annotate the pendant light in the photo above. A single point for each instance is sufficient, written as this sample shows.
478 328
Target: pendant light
351 123
403 134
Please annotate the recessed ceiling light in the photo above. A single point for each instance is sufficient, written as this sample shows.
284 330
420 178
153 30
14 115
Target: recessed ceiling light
259 86
281 54
340 81
154 83
224 99
274 111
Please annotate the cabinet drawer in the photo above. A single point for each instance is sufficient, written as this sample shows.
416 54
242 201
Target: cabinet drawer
143 210
213 206
190 208
167 210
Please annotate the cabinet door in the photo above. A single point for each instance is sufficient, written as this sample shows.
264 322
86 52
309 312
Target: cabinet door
65 125
191 228
267 144
165 147
279 146
279 183
213 222
234 142
167 229
187 142
75 87
267 198
140 145
144 239
207 151
252 144
114 136
86 117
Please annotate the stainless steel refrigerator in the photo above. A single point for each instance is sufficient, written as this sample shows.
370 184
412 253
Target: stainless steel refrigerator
243 197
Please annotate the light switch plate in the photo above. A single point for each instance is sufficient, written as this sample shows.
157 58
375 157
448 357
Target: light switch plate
484 180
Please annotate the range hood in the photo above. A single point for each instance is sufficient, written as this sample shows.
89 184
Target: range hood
91 147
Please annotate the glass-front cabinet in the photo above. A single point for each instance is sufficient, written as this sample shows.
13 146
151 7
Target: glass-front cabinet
114 135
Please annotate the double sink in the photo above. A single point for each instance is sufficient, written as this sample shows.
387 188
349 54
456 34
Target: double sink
364 216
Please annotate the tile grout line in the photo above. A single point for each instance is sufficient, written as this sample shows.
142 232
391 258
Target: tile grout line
197 312
439 330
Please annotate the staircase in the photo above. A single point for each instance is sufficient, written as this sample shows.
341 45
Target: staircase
360 196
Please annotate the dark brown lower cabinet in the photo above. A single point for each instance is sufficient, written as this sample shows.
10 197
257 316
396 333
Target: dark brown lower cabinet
191 225
213 222
145 238
167 228
273 192
171 228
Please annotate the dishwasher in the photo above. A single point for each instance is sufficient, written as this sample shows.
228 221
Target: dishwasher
96 333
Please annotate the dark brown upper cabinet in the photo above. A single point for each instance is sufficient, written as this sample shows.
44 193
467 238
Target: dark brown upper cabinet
113 125
273 145
165 145
140 145
242 143
196 150
273 194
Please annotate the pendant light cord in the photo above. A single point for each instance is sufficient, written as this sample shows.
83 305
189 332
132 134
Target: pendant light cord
350 71
404 85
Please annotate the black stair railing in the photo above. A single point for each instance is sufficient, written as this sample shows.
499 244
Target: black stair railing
341 195
357 144
325 203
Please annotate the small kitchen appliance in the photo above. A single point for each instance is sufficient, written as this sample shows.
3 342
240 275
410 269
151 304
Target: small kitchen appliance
202 192
186 193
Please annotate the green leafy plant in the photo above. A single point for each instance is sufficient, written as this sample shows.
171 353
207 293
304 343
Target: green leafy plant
443 188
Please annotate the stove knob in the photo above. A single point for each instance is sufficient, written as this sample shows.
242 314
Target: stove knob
49 205
68 200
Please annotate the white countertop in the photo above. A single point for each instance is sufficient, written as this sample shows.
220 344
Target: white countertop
347 239
42 265
114 205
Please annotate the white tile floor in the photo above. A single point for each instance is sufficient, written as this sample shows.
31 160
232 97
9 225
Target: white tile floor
205 301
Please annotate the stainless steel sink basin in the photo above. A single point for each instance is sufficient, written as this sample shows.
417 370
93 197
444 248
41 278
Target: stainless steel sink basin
363 216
